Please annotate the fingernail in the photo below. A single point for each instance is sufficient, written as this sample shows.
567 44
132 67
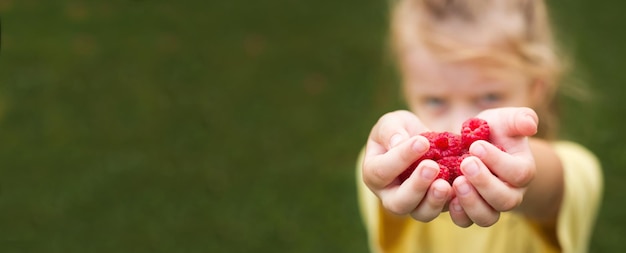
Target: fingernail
429 173
439 193
471 169
478 150
420 145
463 189
395 139
531 118
456 207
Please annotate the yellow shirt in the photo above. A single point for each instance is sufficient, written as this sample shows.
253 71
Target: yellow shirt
512 233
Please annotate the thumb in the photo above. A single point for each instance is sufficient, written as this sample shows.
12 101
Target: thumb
512 121
523 121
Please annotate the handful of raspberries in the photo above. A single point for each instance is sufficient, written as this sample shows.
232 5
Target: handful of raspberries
449 149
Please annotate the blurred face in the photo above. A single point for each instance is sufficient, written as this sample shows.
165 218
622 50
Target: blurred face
444 94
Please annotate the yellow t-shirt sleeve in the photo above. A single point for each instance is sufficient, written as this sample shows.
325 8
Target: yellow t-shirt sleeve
582 196
368 205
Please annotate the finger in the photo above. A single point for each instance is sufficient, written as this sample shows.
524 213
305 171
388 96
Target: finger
516 169
458 215
511 121
499 195
392 129
404 198
380 170
524 122
434 201
479 211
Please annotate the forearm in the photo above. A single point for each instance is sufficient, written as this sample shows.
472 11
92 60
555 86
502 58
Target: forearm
545 193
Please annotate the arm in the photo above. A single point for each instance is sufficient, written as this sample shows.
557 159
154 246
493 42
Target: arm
543 197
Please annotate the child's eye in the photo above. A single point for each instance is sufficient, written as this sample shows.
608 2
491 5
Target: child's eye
490 100
434 102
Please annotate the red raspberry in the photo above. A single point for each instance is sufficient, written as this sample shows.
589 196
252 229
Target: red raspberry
406 173
442 145
454 147
449 149
451 164
434 152
445 173
474 129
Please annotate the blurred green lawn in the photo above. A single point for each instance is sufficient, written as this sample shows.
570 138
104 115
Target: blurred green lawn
228 126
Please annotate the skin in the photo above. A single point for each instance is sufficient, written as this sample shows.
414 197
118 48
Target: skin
528 178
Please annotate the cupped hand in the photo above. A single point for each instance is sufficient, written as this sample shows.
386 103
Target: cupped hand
393 145
495 181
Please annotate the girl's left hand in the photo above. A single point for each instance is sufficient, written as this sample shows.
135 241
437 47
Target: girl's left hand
495 181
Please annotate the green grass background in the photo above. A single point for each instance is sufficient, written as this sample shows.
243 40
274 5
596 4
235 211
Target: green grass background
229 126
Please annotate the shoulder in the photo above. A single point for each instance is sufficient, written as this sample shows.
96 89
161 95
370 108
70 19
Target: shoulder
583 189
577 158
582 170
569 147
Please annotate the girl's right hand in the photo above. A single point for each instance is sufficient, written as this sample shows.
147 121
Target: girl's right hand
393 145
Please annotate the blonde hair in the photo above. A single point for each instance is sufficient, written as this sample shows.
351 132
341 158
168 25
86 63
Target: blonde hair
513 34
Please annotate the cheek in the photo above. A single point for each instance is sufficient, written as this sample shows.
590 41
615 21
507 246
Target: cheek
435 122
441 123
524 94
426 117
521 98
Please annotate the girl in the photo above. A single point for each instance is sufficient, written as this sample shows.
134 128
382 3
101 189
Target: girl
495 60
